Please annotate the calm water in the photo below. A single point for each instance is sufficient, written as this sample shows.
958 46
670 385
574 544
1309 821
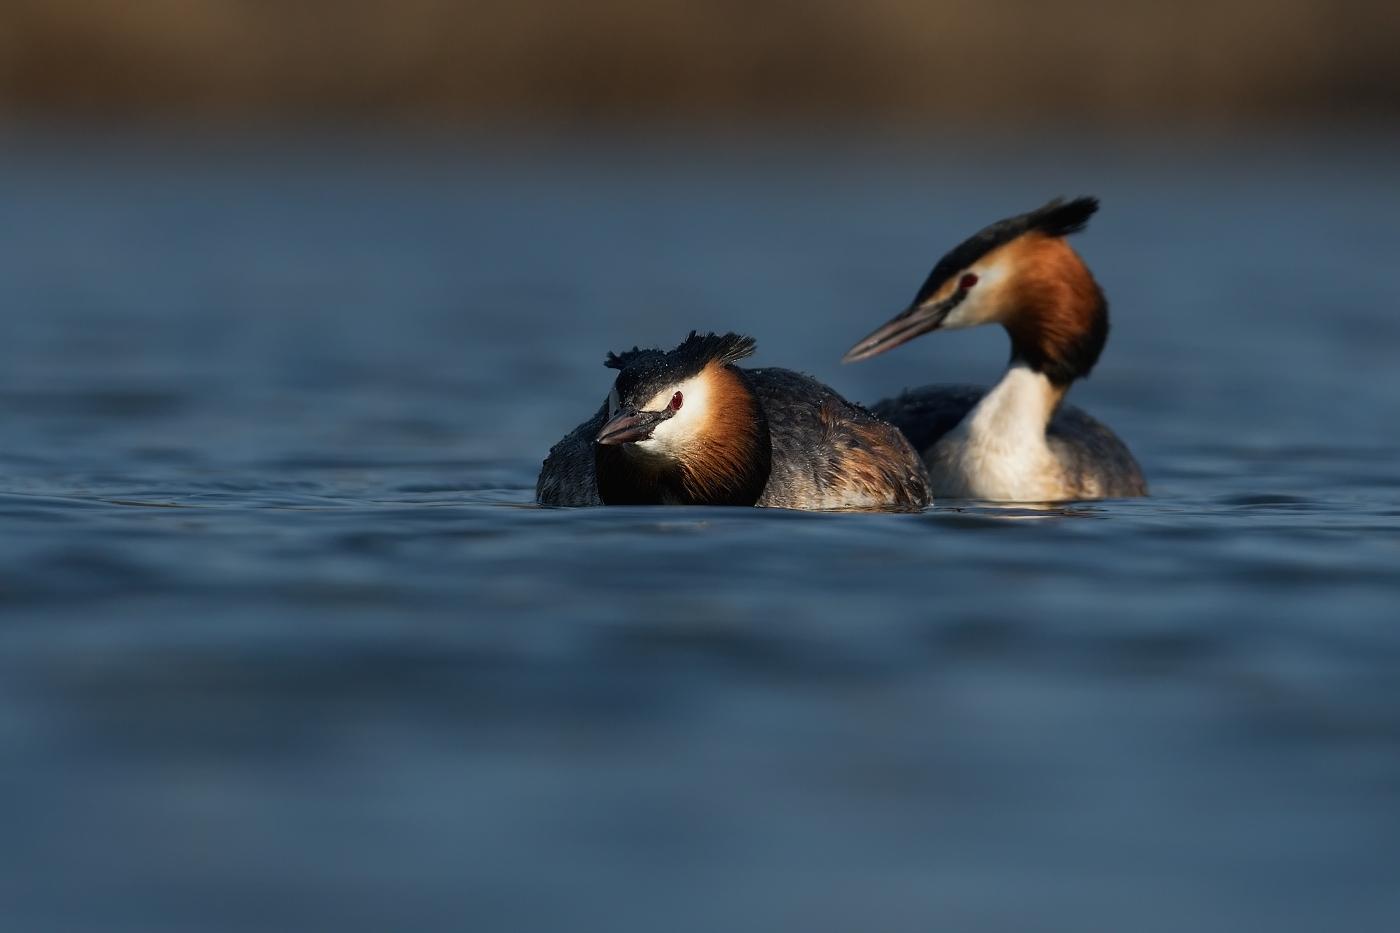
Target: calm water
286 646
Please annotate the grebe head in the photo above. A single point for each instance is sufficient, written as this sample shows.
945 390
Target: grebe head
684 426
1019 273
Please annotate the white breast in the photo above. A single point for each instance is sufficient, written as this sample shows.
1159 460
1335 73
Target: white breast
998 451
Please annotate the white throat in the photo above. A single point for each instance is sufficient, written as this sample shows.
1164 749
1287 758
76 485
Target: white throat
998 451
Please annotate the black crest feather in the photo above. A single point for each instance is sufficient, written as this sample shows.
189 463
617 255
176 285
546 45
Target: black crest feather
726 348
1057 218
646 372
628 357
729 348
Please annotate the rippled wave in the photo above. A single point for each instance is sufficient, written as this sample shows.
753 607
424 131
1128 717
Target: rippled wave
286 644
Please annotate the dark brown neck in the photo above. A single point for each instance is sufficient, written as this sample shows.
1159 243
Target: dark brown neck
626 480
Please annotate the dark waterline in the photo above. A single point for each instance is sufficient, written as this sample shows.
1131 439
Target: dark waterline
287 647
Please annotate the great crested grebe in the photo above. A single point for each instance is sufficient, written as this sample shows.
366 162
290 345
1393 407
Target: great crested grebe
689 427
1015 442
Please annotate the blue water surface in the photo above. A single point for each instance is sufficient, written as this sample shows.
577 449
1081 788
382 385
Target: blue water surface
285 644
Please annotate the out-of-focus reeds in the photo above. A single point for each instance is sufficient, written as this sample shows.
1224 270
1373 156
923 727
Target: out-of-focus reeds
897 60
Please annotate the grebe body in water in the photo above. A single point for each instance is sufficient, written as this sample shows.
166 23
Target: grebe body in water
1016 441
689 427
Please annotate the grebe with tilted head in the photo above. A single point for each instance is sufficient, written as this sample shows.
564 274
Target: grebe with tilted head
1016 442
689 427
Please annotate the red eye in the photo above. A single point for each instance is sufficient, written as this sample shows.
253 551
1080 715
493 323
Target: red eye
676 401
967 281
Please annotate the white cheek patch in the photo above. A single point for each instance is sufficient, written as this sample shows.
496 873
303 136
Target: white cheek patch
961 316
673 434
981 305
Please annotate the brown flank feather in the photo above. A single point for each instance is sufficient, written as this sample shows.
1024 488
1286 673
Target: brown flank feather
873 460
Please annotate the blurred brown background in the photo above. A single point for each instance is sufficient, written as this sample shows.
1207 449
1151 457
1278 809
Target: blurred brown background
895 60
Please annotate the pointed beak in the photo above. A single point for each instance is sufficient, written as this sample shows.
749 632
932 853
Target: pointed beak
629 426
908 324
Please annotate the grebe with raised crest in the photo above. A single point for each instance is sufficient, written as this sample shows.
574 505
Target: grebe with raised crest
688 427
